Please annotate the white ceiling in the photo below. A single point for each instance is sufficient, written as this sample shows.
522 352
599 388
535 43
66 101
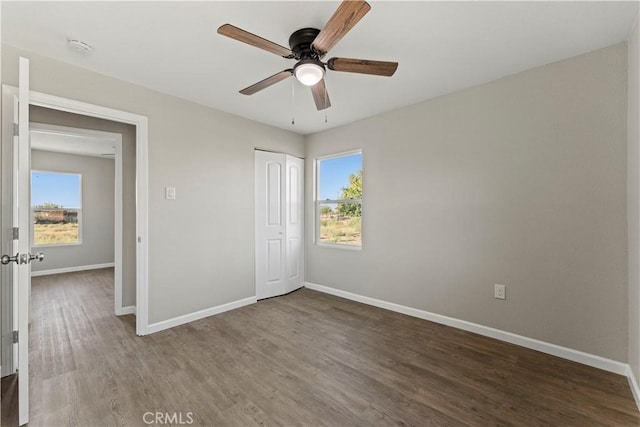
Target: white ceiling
72 143
442 47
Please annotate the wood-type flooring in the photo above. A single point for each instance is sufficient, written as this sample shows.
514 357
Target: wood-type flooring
306 358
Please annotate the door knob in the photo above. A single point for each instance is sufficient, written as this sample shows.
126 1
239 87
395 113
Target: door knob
21 259
6 259
39 256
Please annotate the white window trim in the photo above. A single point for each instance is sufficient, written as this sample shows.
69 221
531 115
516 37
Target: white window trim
317 202
80 220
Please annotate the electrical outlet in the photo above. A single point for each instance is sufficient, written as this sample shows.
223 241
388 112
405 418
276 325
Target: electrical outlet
499 291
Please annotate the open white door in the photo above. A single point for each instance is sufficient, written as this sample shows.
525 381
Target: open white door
23 175
9 222
18 145
21 201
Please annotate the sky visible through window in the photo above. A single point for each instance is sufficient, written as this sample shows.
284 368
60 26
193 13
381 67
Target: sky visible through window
52 187
334 174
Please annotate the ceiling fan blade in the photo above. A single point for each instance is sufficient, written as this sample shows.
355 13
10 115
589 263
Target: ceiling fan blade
257 41
320 95
344 18
263 84
363 66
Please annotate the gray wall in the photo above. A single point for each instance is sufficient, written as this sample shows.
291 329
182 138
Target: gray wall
633 199
128 132
201 245
521 181
97 220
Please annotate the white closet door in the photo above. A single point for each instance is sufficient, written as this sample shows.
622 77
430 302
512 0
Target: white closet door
294 223
270 224
279 224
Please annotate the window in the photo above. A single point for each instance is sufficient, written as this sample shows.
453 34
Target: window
56 206
339 200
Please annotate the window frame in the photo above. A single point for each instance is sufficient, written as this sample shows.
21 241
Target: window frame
318 203
80 209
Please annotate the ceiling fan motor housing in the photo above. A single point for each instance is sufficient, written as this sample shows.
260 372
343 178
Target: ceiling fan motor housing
300 43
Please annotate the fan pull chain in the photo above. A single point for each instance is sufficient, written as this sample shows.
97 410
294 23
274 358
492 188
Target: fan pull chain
293 98
325 117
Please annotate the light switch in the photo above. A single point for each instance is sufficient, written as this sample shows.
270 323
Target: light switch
170 193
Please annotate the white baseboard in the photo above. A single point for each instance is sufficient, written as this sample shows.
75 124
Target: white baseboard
71 269
633 383
544 347
180 320
130 309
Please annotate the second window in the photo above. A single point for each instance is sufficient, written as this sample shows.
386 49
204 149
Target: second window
56 203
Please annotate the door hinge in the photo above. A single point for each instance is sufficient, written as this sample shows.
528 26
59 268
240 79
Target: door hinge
16 233
16 129
15 337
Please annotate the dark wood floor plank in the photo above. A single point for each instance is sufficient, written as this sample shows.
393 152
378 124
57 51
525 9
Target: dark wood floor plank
302 359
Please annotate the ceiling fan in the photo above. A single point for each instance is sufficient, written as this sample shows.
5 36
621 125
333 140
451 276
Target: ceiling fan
308 46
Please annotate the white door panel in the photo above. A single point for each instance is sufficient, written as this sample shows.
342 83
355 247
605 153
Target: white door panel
269 185
24 217
274 194
293 190
295 225
279 224
293 258
274 261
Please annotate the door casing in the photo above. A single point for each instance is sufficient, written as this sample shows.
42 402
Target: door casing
141 124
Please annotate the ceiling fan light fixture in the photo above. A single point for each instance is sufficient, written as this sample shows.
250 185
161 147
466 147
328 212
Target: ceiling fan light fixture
309 71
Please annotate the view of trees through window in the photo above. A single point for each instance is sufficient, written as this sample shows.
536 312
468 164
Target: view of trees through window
56 207
339 200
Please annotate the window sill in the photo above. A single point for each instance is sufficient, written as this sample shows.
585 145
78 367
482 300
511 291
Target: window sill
55 245
339 246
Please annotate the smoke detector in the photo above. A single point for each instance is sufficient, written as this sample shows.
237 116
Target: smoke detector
80 47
